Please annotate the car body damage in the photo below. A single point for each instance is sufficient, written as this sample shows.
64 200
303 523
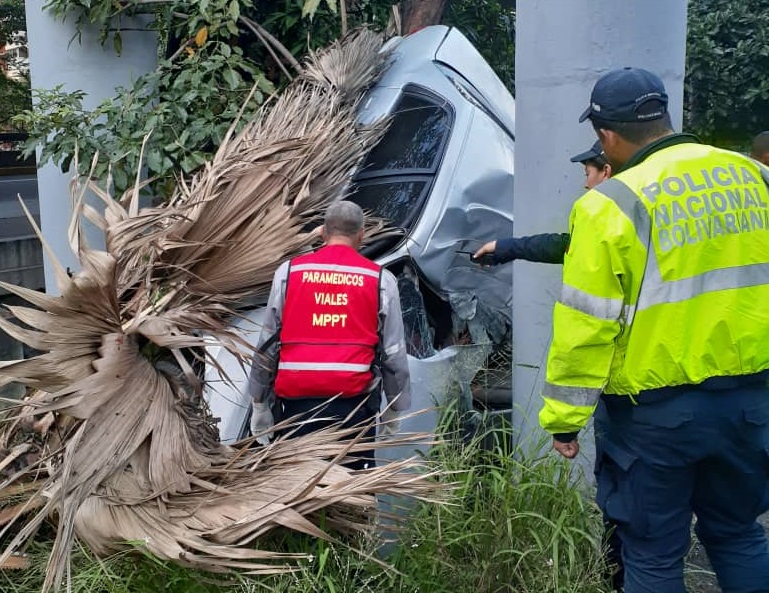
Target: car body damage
443 173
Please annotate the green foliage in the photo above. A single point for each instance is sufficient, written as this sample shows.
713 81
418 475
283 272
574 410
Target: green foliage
184 107
105 15
514 523
12 18
298 32
15 98
726 87
14 94
310 7
187 104
490 26
309 24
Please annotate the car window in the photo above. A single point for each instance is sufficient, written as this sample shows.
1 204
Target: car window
396 177
413 140
394 201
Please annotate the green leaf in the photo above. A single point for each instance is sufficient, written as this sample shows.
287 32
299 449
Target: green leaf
117 43
332 5
264 84
203 9
232 78
154 161
188 165
119 176
234 10
310 7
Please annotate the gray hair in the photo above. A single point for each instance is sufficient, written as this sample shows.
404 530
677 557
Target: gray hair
343 218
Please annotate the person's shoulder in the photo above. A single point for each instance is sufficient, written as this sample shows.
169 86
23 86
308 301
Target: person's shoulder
282 270
592 197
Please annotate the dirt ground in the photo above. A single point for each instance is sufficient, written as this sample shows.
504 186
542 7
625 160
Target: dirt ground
700 577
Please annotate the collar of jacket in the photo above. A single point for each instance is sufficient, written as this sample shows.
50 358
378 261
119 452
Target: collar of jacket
645 152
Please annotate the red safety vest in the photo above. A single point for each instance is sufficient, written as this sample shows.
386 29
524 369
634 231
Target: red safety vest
328 335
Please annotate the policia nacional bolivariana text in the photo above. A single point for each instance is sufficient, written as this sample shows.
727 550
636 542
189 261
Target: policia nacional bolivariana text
707 204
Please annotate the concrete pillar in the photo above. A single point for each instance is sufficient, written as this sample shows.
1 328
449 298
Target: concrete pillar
562 47
56 57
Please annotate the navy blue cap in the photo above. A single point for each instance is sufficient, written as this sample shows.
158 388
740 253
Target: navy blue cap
627 95
593 152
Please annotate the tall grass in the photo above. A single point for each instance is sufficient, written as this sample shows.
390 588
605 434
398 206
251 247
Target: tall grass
514 522
518 522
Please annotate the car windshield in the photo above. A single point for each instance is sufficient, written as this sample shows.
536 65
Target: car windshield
397 175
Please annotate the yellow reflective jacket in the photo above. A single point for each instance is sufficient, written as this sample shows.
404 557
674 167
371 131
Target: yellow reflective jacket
666 281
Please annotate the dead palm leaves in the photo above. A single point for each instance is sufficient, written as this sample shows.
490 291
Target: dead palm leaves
133 456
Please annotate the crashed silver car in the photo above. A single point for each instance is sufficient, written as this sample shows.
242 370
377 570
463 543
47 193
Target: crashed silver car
443 173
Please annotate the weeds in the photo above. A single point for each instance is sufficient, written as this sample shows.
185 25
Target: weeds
517 523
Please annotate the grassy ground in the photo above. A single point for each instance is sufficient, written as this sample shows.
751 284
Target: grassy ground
514 523
700 577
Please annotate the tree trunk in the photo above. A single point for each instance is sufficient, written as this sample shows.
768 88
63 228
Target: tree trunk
416 14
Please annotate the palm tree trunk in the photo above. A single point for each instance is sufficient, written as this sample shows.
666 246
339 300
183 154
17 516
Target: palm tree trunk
417 14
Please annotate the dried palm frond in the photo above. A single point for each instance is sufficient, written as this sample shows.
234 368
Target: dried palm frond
133 455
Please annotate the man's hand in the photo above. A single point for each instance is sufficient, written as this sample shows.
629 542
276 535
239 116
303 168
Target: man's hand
261 421
568 450
489 247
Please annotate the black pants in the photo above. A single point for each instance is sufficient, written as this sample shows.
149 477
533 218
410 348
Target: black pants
330 412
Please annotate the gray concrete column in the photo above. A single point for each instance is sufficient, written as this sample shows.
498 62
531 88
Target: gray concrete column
562 47
58 57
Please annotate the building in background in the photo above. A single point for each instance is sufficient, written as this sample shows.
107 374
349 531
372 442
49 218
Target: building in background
14 56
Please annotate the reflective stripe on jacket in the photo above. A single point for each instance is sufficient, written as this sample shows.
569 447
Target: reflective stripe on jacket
329 334
666 281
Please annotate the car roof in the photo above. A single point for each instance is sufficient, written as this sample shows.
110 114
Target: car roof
440 51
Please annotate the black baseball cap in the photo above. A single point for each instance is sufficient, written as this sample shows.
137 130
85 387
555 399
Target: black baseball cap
594 152
627 95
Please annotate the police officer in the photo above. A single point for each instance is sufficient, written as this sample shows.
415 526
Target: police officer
548 248
335 312
663 315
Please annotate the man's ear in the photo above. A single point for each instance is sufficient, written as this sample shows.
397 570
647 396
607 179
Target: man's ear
608 139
